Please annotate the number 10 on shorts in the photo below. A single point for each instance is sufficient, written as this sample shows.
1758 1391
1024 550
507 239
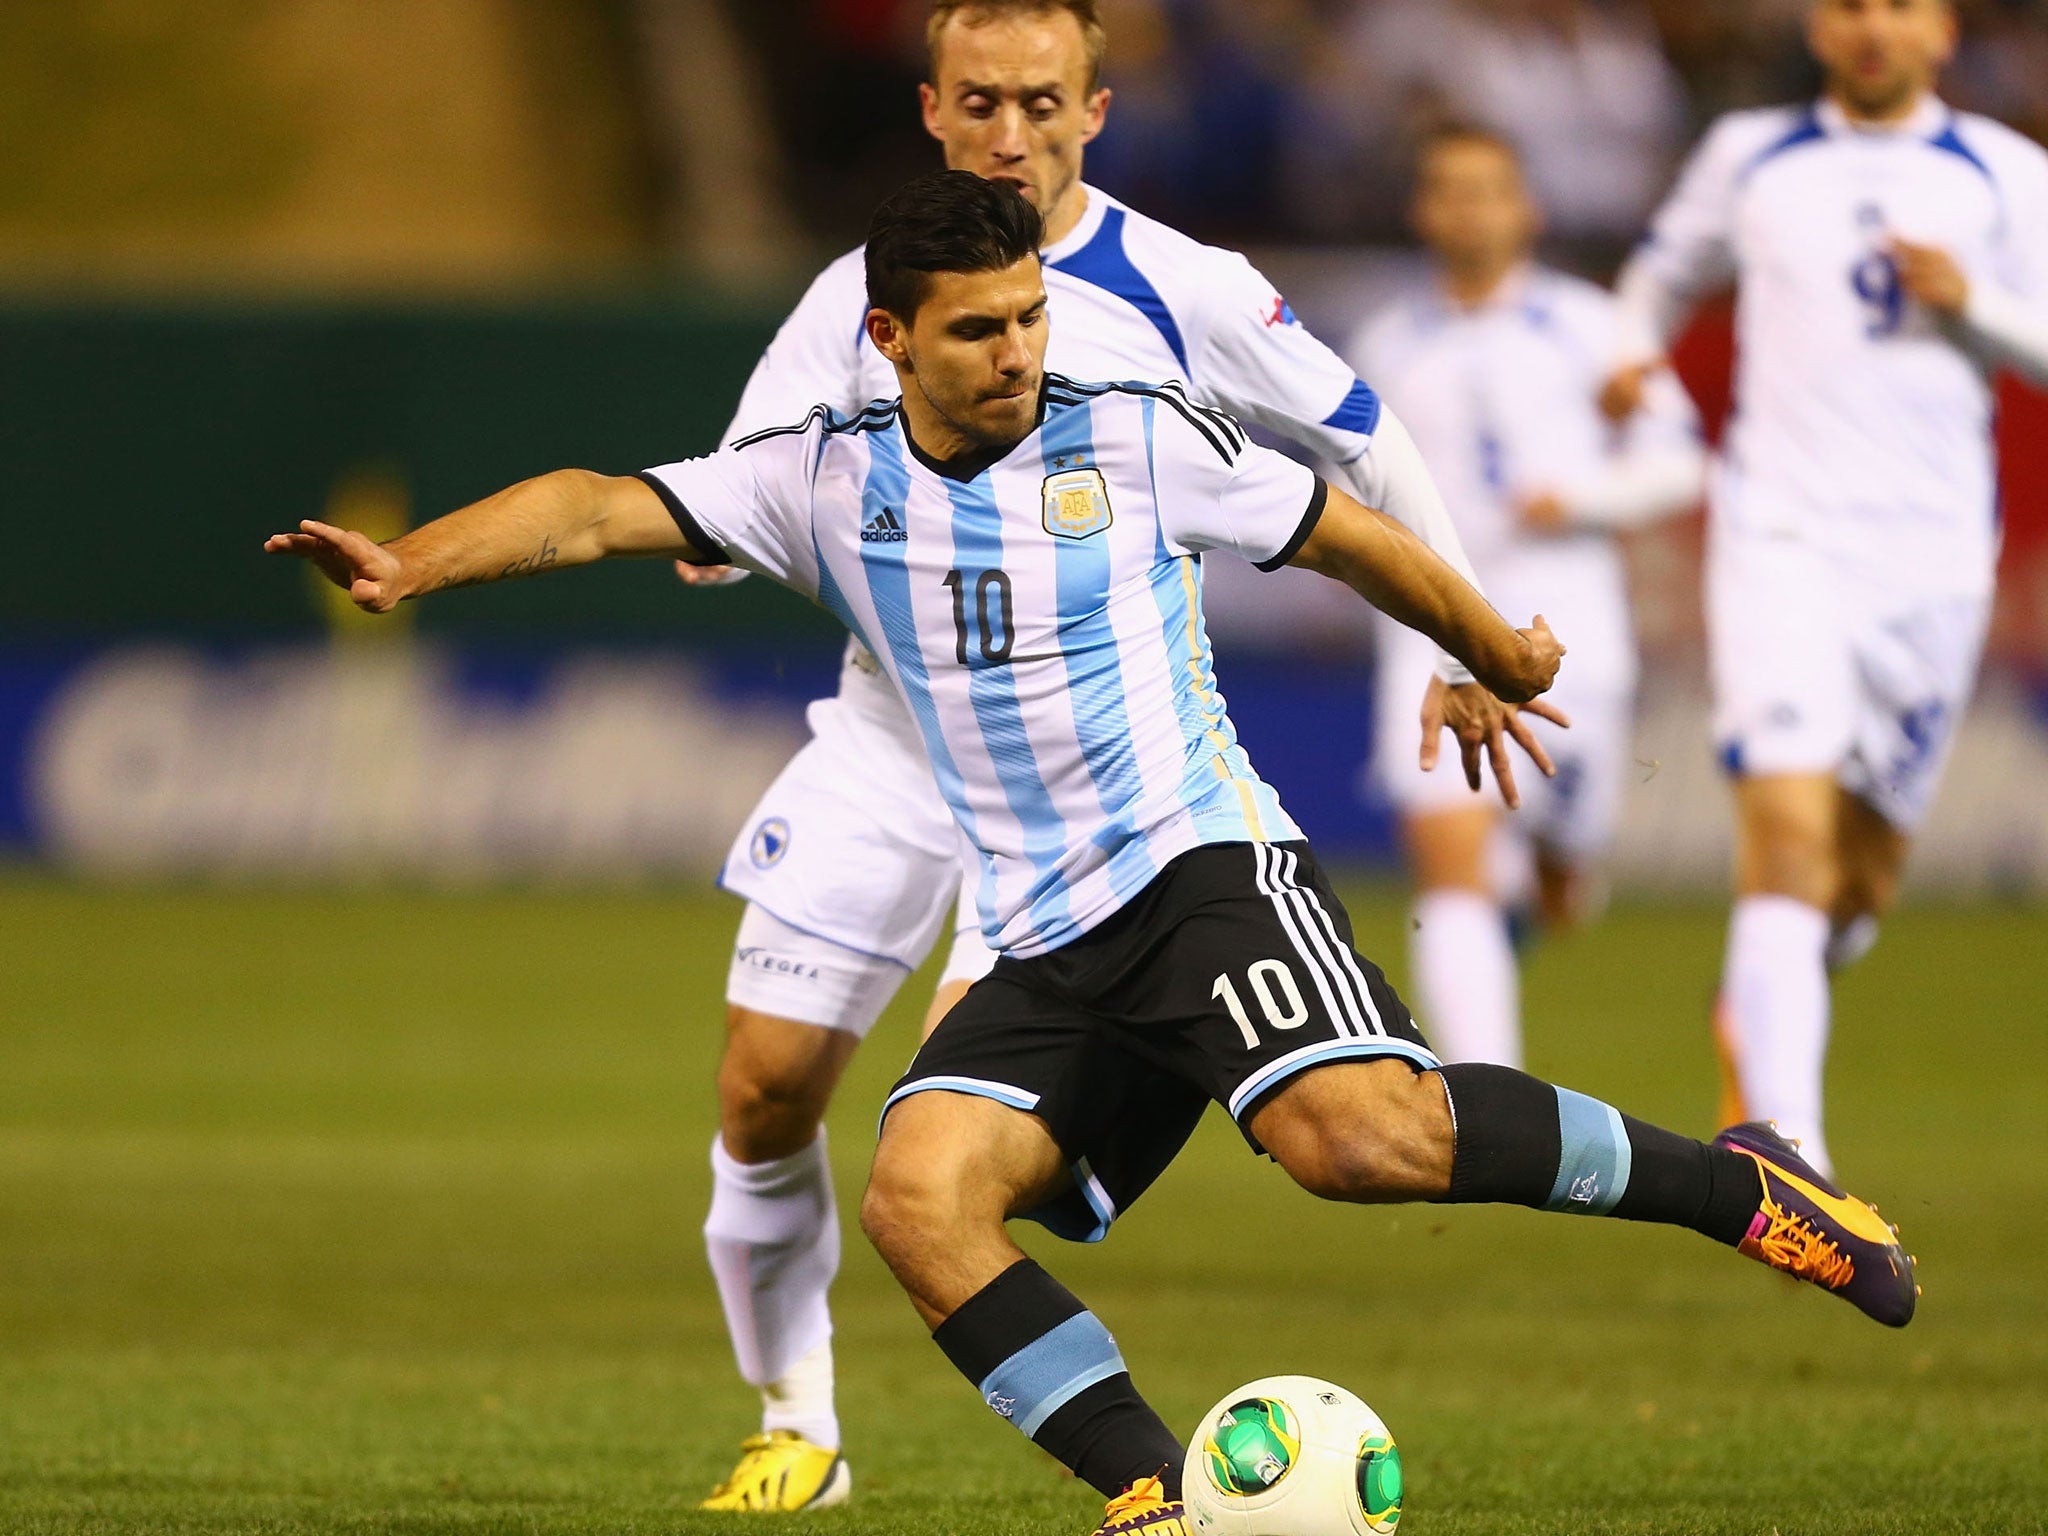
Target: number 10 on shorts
1279 997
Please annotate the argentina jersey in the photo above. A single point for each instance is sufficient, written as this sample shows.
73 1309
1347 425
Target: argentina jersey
1042 617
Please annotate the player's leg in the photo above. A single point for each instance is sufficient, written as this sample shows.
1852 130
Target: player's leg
988 1124
1349 1124
1917 668
797 1008
1461 960
845 891
1870 860
1785 687
1475 1133
1460 956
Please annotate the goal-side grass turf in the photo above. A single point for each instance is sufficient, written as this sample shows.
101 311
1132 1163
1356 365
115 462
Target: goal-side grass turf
379 1213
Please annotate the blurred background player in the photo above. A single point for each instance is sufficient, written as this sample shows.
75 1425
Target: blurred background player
1890 255
1496 369
851 863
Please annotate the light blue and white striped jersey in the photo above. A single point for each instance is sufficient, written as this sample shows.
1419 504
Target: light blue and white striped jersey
1132 298
1043 619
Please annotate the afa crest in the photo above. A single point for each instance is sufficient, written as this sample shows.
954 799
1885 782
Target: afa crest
1076 504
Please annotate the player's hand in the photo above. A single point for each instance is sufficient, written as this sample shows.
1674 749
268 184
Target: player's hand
1932 276
708 575
1623 393
1543 514
1482 723
1524 667
370 574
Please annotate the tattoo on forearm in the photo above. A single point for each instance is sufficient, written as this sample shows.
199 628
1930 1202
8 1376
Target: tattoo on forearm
527 565
446 583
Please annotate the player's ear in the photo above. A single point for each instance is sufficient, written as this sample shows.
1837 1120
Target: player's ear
928 101
890 336
1097 115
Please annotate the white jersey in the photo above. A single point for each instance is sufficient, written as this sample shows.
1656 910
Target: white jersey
1131 298
1501 399
1043 619
1863 425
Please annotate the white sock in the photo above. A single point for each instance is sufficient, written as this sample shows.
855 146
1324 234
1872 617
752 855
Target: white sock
1851 942
1463 968
1775 988
773 1240
801 1399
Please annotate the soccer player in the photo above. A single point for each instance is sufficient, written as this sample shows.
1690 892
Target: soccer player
1890 254
1019 551
1495 369
846 888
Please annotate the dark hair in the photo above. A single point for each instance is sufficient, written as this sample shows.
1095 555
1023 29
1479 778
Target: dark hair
945 221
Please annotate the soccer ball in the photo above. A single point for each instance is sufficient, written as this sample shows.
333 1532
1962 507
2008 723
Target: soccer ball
1292 1456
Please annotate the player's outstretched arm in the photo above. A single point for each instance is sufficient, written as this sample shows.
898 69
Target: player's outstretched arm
1397 573
1401 576
570 517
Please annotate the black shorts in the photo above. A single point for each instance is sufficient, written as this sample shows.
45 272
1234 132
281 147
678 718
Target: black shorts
1229 974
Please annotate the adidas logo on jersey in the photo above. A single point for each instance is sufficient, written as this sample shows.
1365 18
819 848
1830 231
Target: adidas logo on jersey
884 528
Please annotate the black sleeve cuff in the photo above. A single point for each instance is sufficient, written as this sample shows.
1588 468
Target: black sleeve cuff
711 551
1318 499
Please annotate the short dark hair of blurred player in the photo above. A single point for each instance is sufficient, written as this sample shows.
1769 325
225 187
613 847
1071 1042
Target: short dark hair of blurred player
1890 255
1495 367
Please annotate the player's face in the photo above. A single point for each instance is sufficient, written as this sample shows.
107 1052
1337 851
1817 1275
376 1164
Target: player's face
975 351
1471 207
1881 56
1011 103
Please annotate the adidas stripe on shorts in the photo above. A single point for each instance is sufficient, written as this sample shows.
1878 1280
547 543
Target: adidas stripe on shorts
1230 974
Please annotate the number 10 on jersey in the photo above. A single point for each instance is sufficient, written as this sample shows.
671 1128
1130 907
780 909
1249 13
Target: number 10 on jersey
995 614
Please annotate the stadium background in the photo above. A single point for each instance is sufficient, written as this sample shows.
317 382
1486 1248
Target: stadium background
358 980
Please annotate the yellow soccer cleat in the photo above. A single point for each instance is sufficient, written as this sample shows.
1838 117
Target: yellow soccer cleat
782 1472
1143 1509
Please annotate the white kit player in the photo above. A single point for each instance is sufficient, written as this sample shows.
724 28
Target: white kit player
851 864
1890 255
1496 368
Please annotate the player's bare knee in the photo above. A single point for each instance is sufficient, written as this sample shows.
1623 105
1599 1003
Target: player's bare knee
774 1082
919 1188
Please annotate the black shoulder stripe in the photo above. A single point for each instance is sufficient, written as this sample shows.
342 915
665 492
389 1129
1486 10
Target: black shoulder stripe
1223 434
794 430
871 417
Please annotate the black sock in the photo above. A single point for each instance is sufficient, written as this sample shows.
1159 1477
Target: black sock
1043 1361
1521 1141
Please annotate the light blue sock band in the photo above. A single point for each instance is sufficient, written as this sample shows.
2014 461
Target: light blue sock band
1051 1371
1593 1172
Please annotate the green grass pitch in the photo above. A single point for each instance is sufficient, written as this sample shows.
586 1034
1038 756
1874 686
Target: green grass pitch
378 1213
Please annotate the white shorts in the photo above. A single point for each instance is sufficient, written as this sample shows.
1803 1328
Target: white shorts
850 865
1573 815
1817 669
852 842
789 974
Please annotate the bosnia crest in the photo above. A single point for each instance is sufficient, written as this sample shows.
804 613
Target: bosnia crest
1076 503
